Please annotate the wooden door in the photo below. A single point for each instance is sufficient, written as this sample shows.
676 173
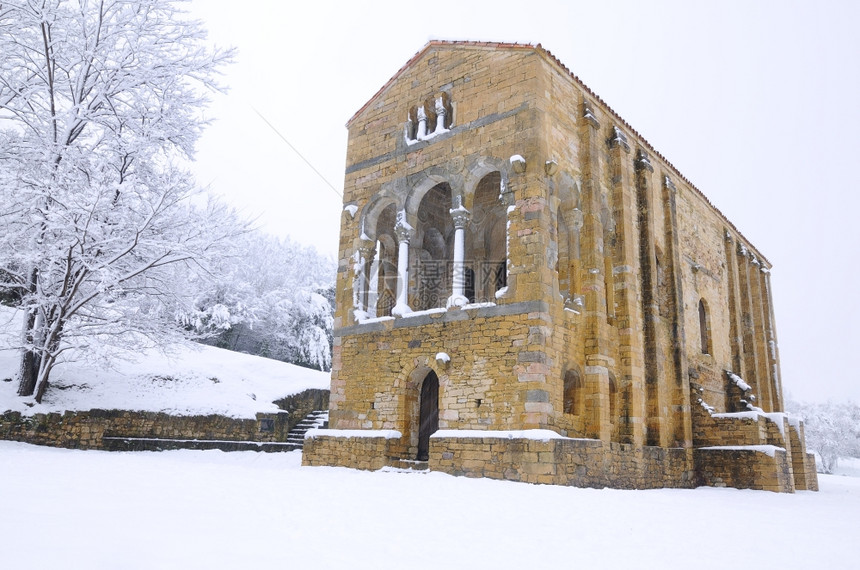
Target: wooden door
428 418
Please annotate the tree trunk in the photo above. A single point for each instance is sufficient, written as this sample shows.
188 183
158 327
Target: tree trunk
28 373
40 392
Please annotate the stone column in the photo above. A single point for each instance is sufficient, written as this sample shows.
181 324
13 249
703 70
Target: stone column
461 217
747 320
682 418
441 112
373 285
404 232
366 253
760 332
422 124
656 433
597 346
736 336
773 344
628 319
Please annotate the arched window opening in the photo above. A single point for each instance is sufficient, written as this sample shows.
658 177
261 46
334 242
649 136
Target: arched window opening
486 243
704 327
382 284
568 265
562 266
572 400
434 242
613 399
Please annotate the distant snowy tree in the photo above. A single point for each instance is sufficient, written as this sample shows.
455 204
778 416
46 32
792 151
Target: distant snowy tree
832 430
274 298
100 107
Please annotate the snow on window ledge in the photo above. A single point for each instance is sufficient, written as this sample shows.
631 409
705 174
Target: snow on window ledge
435 311
374 320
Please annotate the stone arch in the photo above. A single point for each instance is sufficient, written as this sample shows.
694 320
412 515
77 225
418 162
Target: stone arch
412 386
383 271
614 407
704 327
479 167
568 223
486 239
369 219
573 398
432 248
418 185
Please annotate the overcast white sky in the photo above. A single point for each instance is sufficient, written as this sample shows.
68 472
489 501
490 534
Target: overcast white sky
755 102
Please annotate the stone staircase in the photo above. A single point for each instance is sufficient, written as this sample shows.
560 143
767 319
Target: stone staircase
315 419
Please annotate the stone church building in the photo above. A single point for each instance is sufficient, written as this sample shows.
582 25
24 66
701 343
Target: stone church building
528 290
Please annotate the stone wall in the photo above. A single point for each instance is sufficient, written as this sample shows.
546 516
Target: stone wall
765 467
369 450
560 461
87 429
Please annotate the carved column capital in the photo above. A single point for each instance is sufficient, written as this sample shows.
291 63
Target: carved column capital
461 217
402 230
642 161
668 184
367 248
588 115
619 140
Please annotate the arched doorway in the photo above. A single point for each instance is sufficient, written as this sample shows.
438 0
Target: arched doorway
428 415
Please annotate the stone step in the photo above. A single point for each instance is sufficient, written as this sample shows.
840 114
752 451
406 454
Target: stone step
119 443
314 419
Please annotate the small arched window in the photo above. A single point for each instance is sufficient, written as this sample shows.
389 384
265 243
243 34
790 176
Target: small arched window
572 393
704 327
613 399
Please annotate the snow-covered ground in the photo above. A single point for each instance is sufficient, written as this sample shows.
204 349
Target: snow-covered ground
209 509
190 379
849 466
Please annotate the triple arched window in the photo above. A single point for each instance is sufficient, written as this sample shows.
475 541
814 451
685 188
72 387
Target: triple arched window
452 255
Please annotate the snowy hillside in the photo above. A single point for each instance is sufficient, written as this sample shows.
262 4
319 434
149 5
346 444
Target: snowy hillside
192 379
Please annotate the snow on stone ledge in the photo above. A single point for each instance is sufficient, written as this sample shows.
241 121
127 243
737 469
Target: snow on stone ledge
766 449
320 432
739 382
478 305
374 320
775 417
435 311
533 434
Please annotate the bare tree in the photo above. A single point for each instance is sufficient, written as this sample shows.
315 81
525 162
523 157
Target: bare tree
100 107
832 429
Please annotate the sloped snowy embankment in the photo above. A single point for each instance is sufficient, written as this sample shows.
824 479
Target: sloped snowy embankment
191 380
